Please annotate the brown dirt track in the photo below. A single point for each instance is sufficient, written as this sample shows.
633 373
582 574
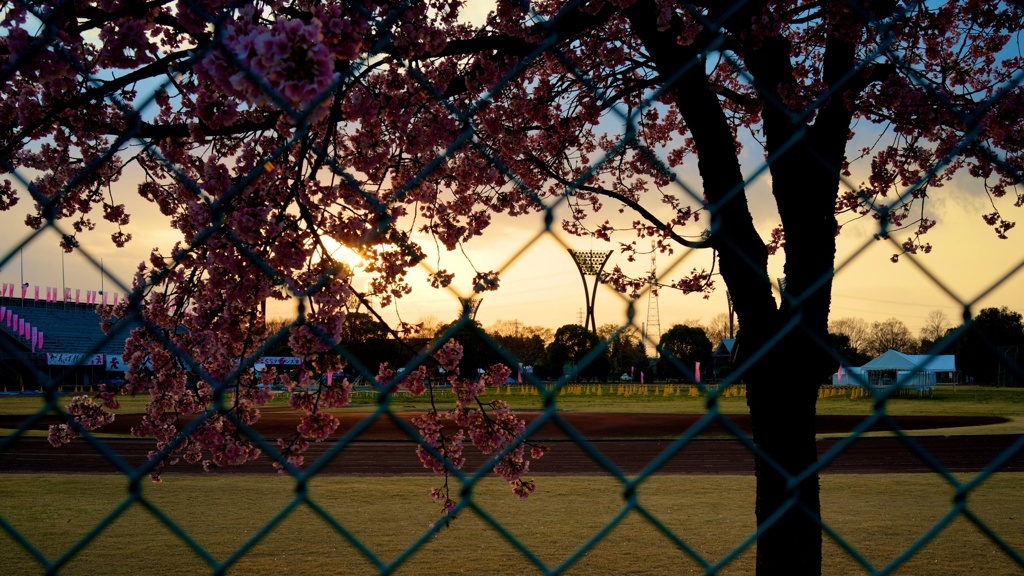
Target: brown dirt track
626 442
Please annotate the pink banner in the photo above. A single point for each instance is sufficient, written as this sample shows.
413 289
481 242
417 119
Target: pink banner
40 339
696 372
35 294
641 376
115 298
8 318
35 338
21 327
78 295
839 380
24 290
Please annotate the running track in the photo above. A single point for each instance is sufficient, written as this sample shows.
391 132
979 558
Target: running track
628 443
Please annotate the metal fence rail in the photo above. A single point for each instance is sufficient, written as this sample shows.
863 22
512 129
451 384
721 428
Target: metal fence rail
242 122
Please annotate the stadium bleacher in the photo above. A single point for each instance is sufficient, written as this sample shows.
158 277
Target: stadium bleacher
69 350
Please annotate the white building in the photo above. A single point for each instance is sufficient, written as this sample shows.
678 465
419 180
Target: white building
906 370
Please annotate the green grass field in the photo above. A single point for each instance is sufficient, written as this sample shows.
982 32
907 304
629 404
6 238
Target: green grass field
963 401
236 517
879 516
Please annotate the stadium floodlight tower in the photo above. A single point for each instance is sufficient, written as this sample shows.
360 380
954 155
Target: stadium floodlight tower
590 263
472 305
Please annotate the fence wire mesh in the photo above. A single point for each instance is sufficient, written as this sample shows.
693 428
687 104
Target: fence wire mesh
258 128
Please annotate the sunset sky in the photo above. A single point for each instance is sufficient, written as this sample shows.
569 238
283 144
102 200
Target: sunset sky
541 286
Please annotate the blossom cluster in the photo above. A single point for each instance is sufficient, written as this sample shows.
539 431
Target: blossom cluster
85 414
491 428
290 56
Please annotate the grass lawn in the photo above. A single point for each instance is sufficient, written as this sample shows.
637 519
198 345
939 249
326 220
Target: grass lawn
254 524
879 516
963 401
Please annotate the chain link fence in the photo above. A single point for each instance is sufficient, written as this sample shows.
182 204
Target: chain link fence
257 128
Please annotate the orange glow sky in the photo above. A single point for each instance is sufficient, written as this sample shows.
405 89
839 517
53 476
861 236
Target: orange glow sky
541 286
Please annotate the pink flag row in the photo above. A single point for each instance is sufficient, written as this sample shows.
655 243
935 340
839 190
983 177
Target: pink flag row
22 329
9 290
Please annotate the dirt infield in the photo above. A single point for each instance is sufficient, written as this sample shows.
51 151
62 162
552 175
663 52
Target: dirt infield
615 443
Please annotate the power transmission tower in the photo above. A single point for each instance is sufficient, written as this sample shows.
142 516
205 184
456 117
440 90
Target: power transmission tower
653 327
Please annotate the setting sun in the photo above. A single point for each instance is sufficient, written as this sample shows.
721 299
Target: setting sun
342 254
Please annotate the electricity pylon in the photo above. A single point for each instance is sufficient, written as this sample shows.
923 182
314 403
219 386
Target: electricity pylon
653 327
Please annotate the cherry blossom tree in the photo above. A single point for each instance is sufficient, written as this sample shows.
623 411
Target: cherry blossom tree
261 127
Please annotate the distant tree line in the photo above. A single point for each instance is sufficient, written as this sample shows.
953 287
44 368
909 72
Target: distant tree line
988 349
614 353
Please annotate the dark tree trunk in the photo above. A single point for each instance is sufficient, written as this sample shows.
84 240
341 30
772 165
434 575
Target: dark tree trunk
782 399
783 349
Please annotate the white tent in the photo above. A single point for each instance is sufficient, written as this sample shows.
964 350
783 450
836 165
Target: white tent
908 370
889 361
